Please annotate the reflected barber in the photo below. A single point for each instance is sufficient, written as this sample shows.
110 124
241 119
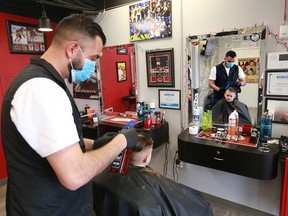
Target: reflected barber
224 75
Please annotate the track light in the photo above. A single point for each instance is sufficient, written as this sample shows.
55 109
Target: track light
44 23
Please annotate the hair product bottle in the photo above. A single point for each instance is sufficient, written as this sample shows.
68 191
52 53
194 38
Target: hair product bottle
232 124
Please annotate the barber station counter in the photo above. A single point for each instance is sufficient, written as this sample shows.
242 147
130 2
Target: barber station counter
238 159
159 134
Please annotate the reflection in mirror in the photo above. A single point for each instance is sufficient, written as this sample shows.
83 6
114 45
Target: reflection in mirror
118 78
206 51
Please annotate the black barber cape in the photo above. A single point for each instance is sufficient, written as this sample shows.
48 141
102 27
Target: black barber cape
222 109
144 192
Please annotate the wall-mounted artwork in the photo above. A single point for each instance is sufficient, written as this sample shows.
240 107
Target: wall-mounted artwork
25 38
121 71
150 20
250 67
160 68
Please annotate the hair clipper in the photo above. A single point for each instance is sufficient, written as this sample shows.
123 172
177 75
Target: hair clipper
121 163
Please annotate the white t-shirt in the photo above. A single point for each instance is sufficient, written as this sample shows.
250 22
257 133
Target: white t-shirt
212 76
42 113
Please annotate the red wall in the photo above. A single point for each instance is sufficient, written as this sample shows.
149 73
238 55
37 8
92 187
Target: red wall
112 90
11 64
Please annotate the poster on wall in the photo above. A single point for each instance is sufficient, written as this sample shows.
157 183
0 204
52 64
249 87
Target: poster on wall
121 71
250 67
25 38
150 20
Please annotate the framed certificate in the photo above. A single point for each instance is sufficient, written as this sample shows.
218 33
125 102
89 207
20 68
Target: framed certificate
276 83
169 99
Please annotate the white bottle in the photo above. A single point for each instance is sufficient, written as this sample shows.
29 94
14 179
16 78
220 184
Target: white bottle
237 117
196 117
232 124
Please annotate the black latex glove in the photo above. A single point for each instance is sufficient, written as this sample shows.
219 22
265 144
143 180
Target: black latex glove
103 140
131 136
223 89
237 84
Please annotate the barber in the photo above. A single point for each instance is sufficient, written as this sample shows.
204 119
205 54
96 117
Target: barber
49 167
225 75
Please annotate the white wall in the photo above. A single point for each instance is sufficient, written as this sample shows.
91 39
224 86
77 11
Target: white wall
192 17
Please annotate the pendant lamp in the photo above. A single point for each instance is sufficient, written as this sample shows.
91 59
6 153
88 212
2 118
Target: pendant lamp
44 23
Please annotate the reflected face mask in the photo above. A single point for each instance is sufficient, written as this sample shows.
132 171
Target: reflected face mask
229 64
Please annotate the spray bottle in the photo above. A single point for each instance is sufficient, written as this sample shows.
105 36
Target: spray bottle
266 126
232 124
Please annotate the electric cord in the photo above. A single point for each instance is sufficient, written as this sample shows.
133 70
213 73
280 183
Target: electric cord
175 170
166 161
276 37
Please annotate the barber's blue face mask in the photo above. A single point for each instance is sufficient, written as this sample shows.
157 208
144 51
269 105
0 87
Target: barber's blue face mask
80 75
230 64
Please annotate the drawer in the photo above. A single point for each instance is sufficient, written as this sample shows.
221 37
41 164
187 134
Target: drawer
234 160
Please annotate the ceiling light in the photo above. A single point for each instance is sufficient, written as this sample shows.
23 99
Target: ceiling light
44 23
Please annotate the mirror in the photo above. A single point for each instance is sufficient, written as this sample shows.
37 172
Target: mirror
118 79
206 51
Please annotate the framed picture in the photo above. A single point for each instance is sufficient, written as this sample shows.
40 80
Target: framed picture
279 109
121 71
276 83
25 38
169 99
160 68
250 67
150 20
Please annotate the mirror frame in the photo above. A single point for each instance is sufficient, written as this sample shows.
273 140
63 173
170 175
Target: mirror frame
195 77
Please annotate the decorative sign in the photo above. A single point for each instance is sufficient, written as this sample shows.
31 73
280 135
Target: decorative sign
122 51
25 38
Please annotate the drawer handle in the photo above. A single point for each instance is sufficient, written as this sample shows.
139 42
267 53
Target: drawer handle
219 159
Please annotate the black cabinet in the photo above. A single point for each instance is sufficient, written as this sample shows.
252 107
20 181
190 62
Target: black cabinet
90 131
233 158
159 134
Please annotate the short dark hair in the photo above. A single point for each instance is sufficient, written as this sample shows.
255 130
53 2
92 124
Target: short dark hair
78 27
231 54
144 140
231 89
